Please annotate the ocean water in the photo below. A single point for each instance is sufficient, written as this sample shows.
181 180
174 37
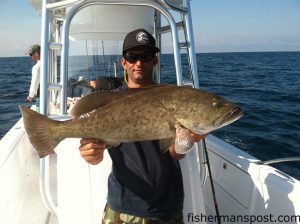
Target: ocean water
265 85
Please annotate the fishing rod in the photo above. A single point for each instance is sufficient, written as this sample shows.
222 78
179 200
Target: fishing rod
211 182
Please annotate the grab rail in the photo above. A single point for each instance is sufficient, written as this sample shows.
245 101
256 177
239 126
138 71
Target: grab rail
173 6
281 160
44 186
64 3
44 162
190 39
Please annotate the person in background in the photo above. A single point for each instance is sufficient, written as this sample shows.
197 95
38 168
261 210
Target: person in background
145 185
34 53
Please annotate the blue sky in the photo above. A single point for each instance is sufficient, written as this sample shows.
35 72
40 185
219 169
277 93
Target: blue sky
219 25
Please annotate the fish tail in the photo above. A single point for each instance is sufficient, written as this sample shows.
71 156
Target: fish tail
40 132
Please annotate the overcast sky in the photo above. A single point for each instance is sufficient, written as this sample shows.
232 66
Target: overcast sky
219 26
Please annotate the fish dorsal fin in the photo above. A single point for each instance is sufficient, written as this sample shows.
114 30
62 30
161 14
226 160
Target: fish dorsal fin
102 98
183 140
93 101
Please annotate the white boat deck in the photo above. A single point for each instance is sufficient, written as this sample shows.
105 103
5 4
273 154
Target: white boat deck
19 183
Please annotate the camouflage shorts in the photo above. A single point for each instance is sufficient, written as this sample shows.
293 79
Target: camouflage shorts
112 217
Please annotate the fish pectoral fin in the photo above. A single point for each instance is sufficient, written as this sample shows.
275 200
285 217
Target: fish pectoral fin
165 144
183 140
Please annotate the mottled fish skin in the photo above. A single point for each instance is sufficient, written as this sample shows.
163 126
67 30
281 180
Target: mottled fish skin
136 116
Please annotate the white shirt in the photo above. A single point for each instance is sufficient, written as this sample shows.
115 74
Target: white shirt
35 79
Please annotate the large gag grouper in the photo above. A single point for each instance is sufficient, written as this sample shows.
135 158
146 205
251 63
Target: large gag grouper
165 112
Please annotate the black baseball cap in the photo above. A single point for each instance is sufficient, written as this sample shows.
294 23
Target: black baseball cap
139 37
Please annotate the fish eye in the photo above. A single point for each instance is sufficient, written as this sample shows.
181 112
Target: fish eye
217 104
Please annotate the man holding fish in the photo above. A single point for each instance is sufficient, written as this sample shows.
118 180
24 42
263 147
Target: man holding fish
145 185
146 129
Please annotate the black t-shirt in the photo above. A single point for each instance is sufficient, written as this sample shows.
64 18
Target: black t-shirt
144 181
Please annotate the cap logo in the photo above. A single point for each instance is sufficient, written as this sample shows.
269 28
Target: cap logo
142 38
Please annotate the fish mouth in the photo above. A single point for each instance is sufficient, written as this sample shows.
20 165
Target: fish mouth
230 117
